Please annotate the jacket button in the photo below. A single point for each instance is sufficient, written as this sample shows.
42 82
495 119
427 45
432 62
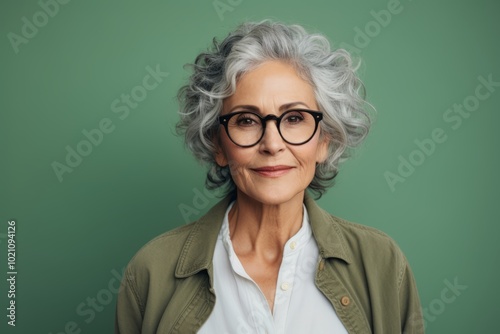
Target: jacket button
345 301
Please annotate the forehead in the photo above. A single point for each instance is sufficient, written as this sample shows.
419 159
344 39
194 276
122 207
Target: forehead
271 85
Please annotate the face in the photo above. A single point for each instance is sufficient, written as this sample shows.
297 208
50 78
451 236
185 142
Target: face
272 171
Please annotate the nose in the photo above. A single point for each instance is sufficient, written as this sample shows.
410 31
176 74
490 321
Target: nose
272 142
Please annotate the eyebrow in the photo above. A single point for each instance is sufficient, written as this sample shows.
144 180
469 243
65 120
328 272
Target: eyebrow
281 108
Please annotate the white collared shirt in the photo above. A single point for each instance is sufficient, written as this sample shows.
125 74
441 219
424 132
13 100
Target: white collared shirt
299 307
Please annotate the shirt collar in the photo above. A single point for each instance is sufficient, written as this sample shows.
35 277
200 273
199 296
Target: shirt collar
198 250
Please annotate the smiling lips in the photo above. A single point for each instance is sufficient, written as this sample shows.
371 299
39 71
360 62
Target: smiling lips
272 171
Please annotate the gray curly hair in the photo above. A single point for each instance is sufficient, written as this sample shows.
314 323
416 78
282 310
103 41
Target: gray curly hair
339 93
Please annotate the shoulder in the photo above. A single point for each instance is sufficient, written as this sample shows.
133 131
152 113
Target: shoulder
363 247
166 240
143 274
338 236
372 249
366 236
181 250
160 253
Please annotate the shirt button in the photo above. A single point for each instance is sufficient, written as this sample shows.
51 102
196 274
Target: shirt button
345 301
293 245
285 286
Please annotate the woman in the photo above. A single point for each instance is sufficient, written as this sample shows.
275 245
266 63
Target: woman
272 110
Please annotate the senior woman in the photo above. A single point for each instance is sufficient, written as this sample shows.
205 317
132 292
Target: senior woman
272 110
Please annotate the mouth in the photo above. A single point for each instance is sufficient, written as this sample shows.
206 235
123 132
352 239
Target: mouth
273 171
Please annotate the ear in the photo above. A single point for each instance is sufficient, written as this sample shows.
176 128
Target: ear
220 155
322 151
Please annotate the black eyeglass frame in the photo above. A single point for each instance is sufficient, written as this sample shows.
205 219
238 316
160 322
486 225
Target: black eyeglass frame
317 115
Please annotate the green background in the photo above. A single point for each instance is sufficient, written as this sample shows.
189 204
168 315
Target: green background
72 235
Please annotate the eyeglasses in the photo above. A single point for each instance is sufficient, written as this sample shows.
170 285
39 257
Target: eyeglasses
296 126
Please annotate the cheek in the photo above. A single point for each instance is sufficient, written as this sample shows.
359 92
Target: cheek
306 161
227 154
309 158
237 161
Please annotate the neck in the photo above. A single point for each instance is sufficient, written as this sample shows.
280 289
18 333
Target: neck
261 230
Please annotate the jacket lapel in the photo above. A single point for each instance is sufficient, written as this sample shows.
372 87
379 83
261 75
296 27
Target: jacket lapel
194 296
198 251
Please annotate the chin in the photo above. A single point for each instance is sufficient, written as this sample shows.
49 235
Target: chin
272 195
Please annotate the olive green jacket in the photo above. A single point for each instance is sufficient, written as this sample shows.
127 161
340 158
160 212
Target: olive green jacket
168 285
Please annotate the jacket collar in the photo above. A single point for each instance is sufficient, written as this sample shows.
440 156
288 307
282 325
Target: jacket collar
198 251
327 232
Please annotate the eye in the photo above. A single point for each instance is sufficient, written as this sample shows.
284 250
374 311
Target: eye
247 120
293 117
